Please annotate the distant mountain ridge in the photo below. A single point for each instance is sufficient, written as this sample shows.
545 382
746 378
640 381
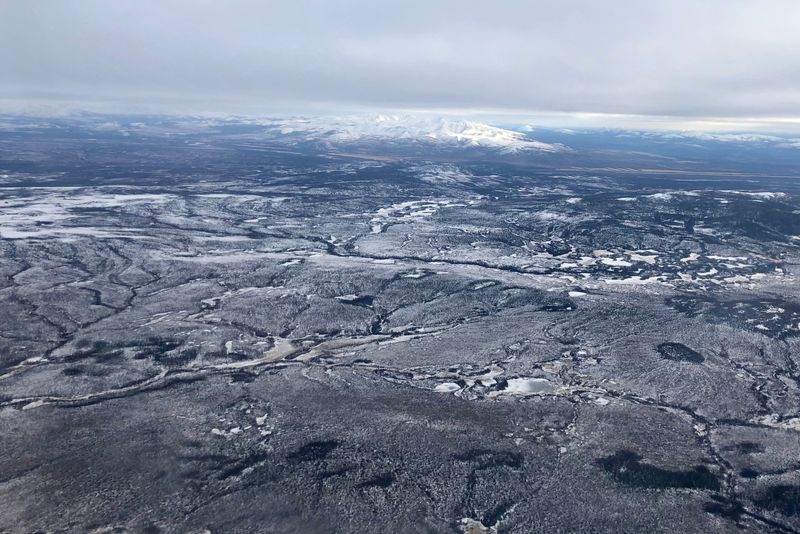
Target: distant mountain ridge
411 129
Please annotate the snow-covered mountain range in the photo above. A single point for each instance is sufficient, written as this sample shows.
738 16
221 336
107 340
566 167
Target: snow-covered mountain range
411 129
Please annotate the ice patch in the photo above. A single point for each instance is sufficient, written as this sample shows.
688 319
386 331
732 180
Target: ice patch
410 211
34 404
483 285
727 258
615 262
660 196
763 195
528 386
447 387
634 280
649 259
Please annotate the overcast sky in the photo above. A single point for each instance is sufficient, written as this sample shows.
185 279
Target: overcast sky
686 59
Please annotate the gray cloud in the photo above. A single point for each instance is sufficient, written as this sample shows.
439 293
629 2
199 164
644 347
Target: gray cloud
721 58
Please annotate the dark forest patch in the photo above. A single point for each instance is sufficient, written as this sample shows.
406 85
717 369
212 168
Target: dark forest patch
679 352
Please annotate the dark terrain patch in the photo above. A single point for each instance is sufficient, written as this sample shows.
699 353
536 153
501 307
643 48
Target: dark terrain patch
314 450
746 447
382 480
783 498
627 467
364 301
679 352
748 473
724 508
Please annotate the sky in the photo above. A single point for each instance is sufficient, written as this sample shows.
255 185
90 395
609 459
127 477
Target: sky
707 64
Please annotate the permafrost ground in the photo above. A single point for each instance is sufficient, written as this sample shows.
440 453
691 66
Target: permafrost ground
198 335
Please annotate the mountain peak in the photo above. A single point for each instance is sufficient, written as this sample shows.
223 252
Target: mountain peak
411 128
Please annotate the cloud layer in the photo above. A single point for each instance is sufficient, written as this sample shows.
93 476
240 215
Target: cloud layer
721 58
